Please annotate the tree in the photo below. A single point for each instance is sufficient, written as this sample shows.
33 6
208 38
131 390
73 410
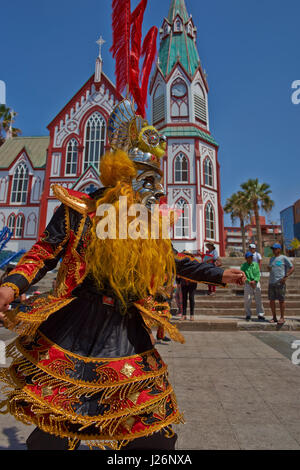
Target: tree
7 118
238 208
257 198
295 244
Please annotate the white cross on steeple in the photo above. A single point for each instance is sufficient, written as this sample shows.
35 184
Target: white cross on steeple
100 43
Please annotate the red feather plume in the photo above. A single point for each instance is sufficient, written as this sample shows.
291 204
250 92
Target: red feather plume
149 52
135 54
121 41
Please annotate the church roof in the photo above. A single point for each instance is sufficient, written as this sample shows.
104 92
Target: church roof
36 149
178 7
188 131
178 46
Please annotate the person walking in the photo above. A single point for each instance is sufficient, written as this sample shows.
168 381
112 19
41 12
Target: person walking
188 291
256 256
280 268
252 287
212 257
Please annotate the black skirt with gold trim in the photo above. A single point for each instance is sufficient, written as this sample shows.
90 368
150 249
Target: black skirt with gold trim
90 373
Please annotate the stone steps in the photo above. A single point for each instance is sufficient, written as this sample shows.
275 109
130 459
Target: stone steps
238 303
233 311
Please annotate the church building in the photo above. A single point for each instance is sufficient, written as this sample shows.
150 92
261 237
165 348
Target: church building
179 96
77 139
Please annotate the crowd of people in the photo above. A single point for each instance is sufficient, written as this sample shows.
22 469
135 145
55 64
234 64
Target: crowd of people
280 268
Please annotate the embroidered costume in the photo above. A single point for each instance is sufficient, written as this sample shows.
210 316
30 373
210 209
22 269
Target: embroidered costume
84 368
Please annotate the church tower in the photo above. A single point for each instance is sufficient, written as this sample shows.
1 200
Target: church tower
179 97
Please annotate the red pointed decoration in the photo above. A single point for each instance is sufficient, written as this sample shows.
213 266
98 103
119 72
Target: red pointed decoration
127 28
135 54
121 41
149 52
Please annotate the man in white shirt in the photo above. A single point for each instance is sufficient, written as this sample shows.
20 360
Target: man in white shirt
256 256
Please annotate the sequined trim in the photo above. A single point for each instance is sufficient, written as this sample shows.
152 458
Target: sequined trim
157 314
13 287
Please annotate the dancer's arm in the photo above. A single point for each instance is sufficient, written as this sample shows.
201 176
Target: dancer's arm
191 269
41 258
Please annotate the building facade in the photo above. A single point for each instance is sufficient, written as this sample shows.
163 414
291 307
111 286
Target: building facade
179 98
70 157
271 233
77 139
290 223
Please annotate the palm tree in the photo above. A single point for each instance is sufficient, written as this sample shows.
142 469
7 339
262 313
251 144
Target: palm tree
238 208
257 197
7 117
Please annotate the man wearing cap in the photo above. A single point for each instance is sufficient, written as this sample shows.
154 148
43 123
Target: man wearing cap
256 256
280 268
252 287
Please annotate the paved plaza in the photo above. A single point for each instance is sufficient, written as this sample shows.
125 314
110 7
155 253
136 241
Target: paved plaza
238 390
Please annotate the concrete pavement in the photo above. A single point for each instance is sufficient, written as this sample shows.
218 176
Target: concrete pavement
238 390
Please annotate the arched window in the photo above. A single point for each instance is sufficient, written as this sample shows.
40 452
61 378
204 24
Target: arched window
179 101
200 103
181 167
210 222
20 184
19 226
158 104
178 25
182 227
11 223
72 158
208 172
94 140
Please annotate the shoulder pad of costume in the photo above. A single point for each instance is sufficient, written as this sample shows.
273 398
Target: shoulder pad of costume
80 202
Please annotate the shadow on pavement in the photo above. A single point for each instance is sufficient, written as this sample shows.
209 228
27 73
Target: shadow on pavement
13 441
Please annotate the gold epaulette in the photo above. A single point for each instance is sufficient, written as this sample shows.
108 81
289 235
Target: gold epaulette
82 204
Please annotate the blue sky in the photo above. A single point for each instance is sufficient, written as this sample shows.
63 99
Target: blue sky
250 50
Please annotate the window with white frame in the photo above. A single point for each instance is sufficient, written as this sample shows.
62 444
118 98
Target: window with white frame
95 133
20 184
178 25
11 223
200 103
181 167
19 226
208 172
72 158
182 227
210 222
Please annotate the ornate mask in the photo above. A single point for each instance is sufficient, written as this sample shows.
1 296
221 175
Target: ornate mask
145 147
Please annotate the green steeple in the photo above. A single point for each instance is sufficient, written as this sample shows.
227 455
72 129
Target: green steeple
178 7
178 44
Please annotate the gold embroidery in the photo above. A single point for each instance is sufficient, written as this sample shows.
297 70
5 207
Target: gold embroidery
46 391
82 205
127 370
154 318
152 362
128 424
13 287
160 410
43 356
134 397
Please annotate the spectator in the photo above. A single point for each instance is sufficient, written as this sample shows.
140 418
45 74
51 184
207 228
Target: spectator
188 290
256 256
212 257
280 268
178 296
252 287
